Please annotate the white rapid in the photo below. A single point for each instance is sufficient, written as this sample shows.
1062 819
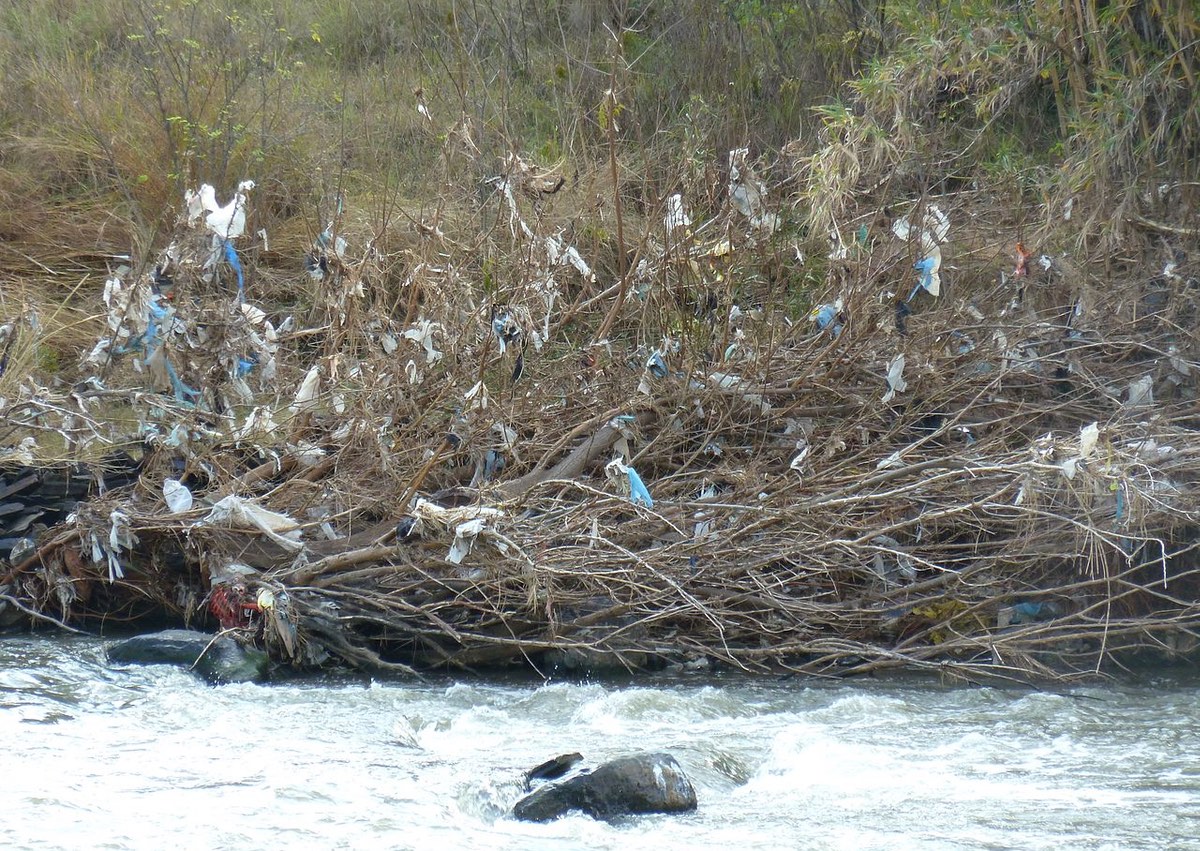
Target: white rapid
150 758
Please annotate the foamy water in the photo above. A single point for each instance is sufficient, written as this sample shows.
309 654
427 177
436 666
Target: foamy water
151 758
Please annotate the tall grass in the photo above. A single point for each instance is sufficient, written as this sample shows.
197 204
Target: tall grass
114 107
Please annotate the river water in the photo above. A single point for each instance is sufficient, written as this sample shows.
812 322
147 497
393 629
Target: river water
99 757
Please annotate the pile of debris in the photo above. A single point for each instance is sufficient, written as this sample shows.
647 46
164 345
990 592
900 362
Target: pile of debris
988 469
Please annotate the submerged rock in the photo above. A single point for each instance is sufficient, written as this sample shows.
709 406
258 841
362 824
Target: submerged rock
222 660
552 769
646 783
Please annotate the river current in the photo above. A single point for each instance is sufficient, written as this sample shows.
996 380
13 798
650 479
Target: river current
100 757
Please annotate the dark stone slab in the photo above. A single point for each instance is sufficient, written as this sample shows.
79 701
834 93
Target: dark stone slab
631 785
219 661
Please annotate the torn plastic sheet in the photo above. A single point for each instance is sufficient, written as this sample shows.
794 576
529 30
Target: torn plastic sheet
1149 450
422 334
801 456
934 230
895 379
159 323
306 395
140 320
239 513
258 421
505 436
467 521
120 537
506 327
676 217
477 396
559 253
1141 392
177 496
464 539
739 385
748 194
1089 435
929 278
226 222
829 318
231 256
638 492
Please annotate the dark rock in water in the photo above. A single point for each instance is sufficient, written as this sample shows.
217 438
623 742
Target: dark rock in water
591 662
552 769
219 661
647 783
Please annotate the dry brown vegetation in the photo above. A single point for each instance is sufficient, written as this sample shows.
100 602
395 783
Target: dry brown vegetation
1018 498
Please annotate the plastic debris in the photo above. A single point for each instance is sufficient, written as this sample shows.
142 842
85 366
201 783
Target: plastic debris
638 493
1088 437
465 535
422 334
231 256
895 379
226 222
1141 392
1027 612
177 496
7 338
929 279
558 253
240 513
160 319
24 453
838 250
748 194
489 466
676 217
829 317
934 230
505 327
1022 267
120 537
306 395
477 396
1069 468
798 461
467 522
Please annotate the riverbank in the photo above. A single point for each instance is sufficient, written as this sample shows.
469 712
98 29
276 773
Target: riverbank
978 480
916 390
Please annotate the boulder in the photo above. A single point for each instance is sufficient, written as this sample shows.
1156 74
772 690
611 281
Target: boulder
222 660
644 783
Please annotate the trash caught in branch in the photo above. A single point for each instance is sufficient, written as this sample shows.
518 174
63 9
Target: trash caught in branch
638 493
239 513
748 193
177 496
932 234
895 379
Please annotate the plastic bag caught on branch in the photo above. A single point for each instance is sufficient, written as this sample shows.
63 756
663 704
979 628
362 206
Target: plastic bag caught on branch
933 232
240 513
748 194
